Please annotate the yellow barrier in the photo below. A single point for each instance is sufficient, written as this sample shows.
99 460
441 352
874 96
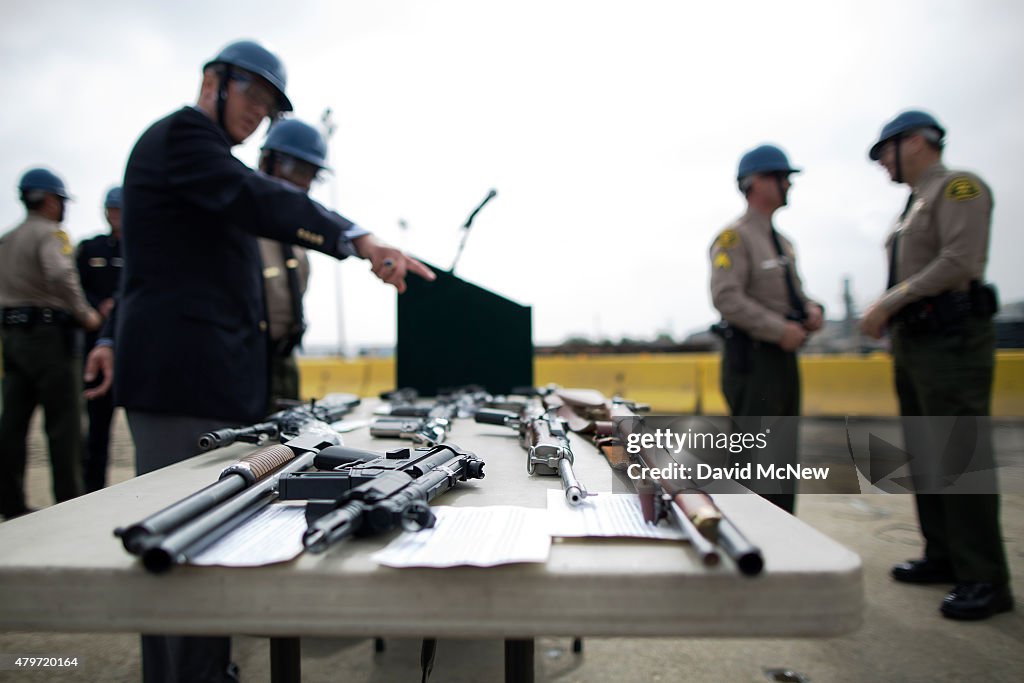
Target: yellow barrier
1008 384
848 385
688 383
668 381
363 376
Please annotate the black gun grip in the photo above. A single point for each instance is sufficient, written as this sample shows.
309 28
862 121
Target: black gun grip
336 456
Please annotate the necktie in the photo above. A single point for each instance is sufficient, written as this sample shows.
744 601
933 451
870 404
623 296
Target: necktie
894 254
795 302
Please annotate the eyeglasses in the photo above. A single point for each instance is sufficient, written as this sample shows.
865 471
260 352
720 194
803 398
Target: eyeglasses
256 92
778 176
298 171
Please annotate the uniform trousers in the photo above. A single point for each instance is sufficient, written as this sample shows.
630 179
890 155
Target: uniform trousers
41 367
765 382
949 373
284 380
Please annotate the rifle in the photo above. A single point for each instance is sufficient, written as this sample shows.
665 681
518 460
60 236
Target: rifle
364 493
589 413
693 510
283 424
543 435
696 513
176 533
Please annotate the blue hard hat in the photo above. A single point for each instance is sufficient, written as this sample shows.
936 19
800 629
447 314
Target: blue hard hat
298 139
43 180
764 159
114 199
253 57
911 120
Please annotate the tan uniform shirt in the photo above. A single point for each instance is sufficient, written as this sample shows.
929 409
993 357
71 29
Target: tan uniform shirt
275 280
748 280
942 241
37 268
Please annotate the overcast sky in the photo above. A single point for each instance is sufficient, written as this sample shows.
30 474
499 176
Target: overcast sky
611 131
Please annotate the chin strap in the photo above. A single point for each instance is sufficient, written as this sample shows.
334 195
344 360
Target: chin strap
896 153
222 97
782 190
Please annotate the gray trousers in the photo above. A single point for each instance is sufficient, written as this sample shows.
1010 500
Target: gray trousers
162 440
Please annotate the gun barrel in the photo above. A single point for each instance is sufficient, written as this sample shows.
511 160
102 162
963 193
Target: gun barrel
333 527
574 491
746 555
493 416
200 532
221 438
138 537
708 555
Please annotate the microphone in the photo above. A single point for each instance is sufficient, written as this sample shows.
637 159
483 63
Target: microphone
469 222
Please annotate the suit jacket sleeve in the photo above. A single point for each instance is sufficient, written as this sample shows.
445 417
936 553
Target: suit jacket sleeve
204 173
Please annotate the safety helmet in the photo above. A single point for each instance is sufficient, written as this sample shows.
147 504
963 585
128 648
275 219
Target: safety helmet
43 180
298 139
114 199
906 122
764 159
253 57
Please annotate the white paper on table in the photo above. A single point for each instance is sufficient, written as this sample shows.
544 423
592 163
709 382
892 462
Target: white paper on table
274 534
607 514
475 536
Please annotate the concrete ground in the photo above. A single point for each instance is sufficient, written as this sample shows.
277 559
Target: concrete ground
903 637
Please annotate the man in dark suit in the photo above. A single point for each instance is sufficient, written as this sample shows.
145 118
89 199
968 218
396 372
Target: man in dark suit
191 332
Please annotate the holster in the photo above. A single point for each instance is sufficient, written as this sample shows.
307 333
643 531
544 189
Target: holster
738 346
949 310
284 346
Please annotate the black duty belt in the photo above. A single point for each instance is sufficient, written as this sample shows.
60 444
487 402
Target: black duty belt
939 313
27 316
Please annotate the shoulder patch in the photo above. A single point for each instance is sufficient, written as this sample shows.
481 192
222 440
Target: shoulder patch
962 189
65 242
727 240
722 261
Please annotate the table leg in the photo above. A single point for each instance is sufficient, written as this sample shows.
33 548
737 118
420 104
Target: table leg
519 661
285 660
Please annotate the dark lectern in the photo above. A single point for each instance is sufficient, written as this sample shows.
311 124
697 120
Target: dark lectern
452 333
